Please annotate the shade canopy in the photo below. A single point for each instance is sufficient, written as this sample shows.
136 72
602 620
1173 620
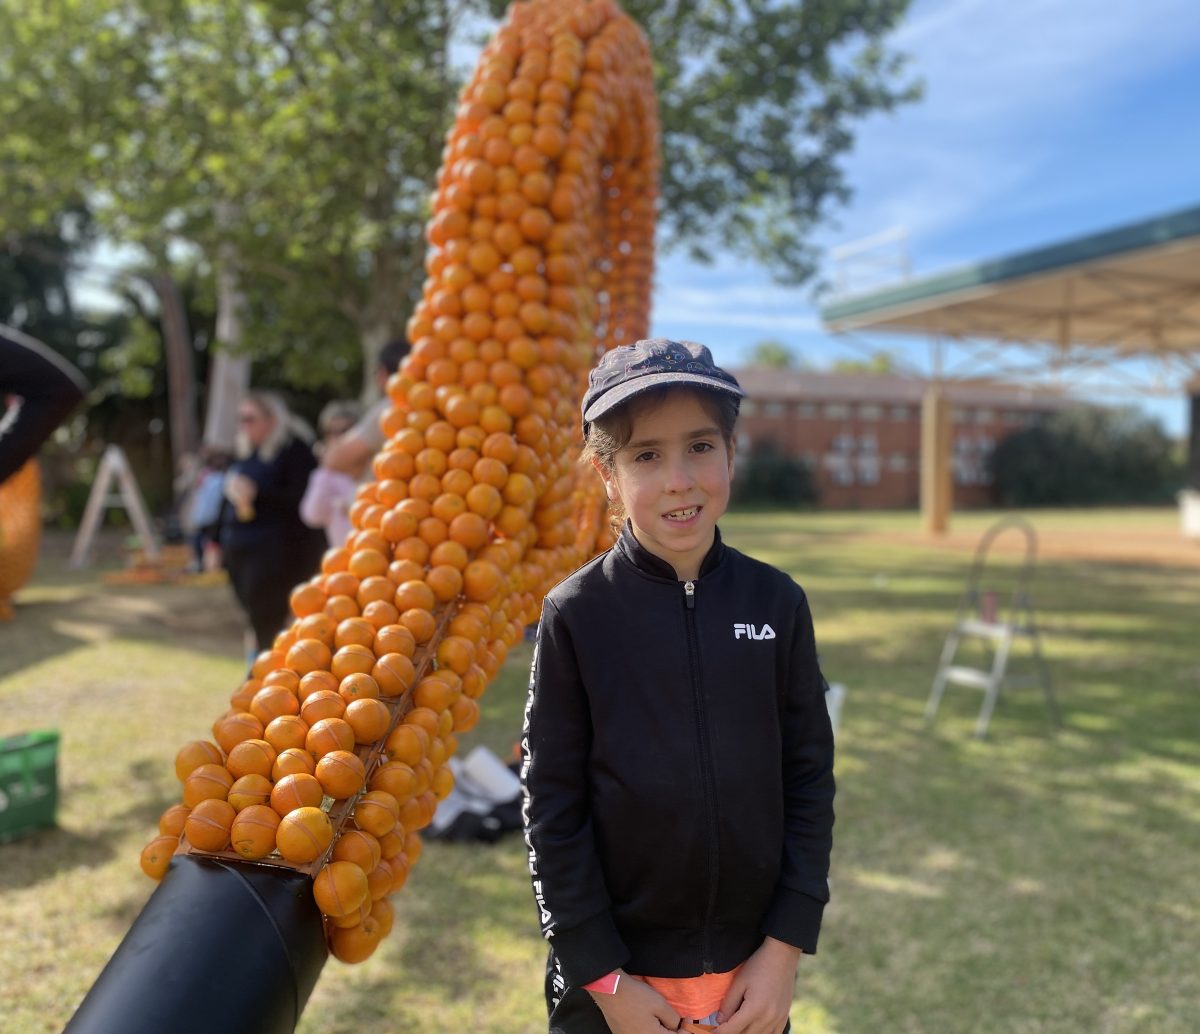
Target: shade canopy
1131 291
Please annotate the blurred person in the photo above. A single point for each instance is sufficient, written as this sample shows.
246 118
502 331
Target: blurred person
351 454
38 390
326 502
268 549
202 516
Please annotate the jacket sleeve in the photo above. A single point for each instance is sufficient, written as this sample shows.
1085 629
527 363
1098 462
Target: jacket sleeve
800 896
568 883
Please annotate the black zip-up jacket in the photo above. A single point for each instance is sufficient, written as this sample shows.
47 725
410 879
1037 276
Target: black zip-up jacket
678 766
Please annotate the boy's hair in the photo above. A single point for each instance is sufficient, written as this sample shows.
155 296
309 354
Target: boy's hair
610 433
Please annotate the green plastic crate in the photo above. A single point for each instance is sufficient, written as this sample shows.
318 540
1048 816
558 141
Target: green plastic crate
28 783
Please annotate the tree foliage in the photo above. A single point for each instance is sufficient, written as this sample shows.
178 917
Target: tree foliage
304 139
769 477
1087 456
775 354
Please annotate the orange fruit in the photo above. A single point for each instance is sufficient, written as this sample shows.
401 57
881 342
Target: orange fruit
391 844
443 781
394 639
207 782
316 626
250 790
282 677
353 657
383 913
376 812
309 654
434 693
357 631
285 732
306 599
340 888
413 846
329 734
266 661
170 822
421 623
444 581
341 607
324 703
369 718
270 702
393 674
314 681
379 880
357 846
358 686
466 713
341 774
417 812
407 743
381 612
395 778
241 697
251 757
253 832
157 854
401 864
207 827
229 730
194 754
303 835
356 943
425 717
456 653
293 761
298 790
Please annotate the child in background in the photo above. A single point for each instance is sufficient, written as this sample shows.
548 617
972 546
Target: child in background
678 757
330 493
204 514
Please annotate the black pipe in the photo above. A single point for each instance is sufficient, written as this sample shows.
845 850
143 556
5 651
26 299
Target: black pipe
220 946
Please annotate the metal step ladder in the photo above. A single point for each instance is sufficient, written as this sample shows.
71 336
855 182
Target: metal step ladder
979 618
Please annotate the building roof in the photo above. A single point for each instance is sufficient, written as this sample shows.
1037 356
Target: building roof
1135 289
772 384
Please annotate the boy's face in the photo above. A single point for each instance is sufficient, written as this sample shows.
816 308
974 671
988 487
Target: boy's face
673 479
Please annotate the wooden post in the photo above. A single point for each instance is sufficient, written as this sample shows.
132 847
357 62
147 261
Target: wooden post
936 484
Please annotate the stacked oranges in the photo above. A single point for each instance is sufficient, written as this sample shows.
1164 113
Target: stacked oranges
333 754
20 531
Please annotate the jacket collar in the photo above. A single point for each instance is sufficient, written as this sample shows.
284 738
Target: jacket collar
628 546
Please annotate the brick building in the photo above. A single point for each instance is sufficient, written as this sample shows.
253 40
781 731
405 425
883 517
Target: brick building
860 433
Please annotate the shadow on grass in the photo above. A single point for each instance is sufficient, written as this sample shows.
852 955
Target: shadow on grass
43 854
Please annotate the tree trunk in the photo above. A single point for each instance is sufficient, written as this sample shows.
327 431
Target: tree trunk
229 377
181 380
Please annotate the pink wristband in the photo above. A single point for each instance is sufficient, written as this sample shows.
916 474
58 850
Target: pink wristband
605 985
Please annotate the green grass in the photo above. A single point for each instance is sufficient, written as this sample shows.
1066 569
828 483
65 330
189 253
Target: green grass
1027 883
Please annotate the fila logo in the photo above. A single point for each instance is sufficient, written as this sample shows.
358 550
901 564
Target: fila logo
751 632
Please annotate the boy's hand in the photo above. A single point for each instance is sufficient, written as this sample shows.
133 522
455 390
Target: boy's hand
760 998
636 1008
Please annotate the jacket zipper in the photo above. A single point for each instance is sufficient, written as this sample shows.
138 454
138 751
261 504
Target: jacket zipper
706 781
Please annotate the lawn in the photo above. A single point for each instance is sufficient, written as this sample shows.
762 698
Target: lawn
1026 883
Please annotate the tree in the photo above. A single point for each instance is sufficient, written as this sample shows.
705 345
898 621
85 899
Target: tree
299 142
769 477
1087 455
881 361
773 354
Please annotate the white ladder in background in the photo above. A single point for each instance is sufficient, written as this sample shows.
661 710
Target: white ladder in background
128 497
978 618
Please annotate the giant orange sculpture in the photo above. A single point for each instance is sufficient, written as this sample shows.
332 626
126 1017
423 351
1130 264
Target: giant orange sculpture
333 753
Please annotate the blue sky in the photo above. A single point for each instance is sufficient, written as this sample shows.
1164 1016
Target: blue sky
1042 120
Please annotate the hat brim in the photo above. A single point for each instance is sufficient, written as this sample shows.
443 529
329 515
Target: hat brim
623 392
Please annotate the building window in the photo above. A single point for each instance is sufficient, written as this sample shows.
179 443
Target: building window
806 410
959 416
869 411
774 410
748 407
898 462
970 461
1017 418
902 413
836 411
868 443
868 469
985 416
843 443
841 468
